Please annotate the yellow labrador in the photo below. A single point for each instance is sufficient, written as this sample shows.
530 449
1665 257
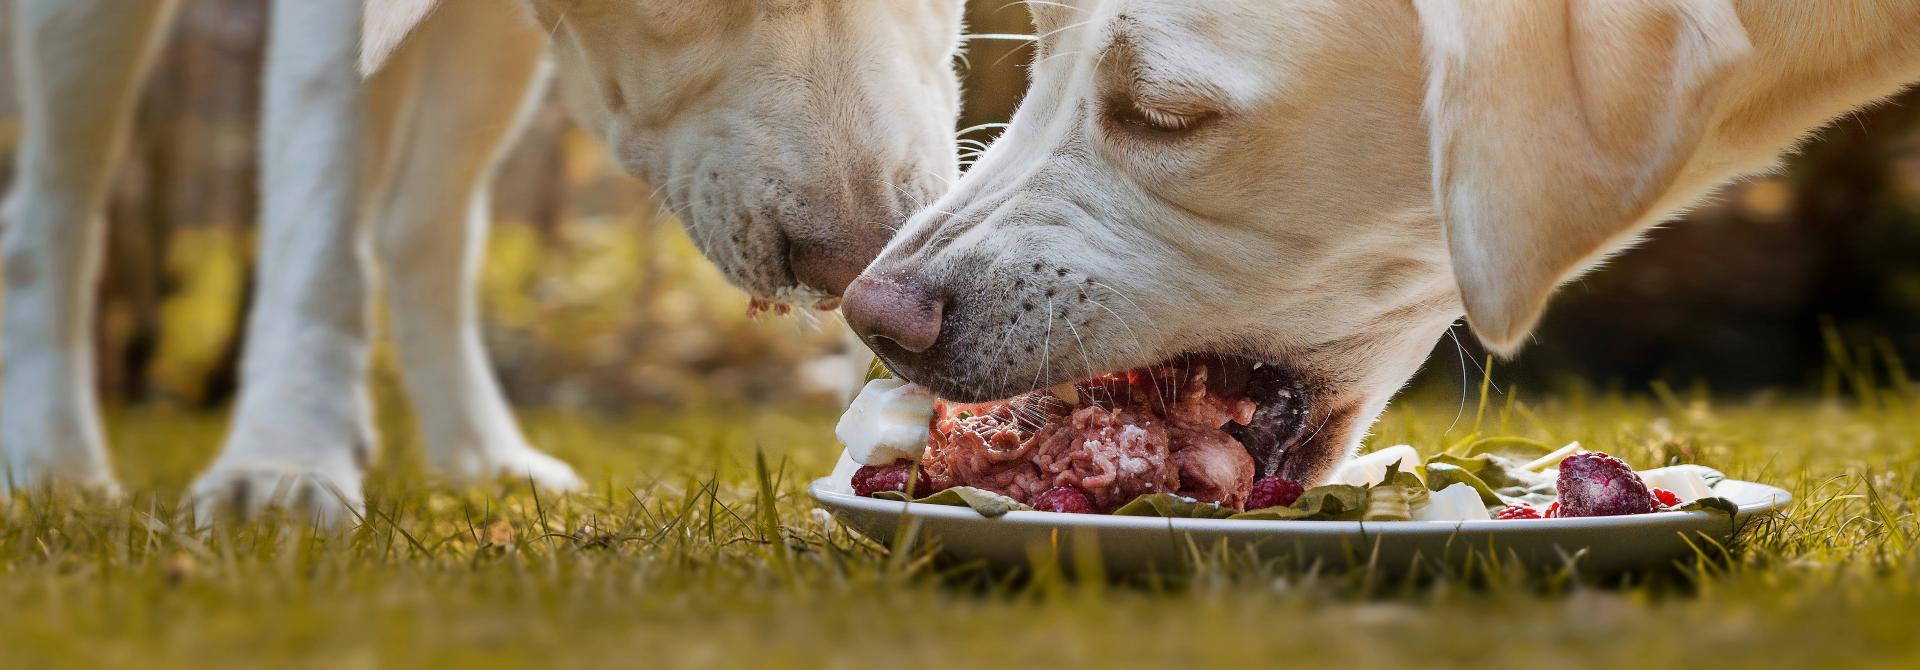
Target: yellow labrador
1323 186
790 135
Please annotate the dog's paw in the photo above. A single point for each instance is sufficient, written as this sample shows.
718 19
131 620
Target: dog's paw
45 447
304 454
519 464
31 477
237 490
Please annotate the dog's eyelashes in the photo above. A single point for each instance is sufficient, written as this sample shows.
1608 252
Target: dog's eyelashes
1163 121
1155 121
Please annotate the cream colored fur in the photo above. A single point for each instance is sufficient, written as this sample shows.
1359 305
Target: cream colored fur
1329 184
790 135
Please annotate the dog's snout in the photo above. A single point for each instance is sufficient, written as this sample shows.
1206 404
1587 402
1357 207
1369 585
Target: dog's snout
848 230
894 310
829 270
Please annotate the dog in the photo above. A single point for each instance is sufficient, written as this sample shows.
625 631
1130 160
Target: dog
1327 186
791 137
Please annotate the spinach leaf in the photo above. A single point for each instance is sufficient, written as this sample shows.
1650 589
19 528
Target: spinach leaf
987 503
1333 502
1173 506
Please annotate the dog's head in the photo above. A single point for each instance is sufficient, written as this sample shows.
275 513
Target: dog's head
792 137
1321 185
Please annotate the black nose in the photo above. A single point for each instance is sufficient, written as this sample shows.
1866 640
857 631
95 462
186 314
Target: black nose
893 308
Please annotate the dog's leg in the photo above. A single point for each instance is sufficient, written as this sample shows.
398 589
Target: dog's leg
79 65
467 79
302 433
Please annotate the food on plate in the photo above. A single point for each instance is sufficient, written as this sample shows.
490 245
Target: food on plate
1597 484
1064 499
1457 502
1157 430
1371 469
1173 441
1687 483
887 422
1664 498
896 476
1521 511
1274 492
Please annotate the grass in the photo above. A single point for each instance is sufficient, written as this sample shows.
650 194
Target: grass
684 557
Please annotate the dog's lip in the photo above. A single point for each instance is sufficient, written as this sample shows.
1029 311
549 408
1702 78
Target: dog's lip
792 293
792 296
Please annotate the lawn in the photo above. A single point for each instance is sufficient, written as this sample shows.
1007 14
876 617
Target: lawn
677 561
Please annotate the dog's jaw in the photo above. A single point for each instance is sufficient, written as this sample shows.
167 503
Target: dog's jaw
1087 240
790 139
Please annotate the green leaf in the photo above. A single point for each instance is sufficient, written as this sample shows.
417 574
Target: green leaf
1395 497
1509 482
1411 480
1712 504
1174 507
1516 448
987 503
1333 502
1498 472
1443 475
1552 459
1387 502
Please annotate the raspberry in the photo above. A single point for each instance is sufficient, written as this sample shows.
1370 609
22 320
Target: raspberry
1517 512
1274 492
1596 484
1553 511
1666 498
891 477
1064 499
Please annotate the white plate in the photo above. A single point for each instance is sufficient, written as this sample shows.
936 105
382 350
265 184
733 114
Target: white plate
1134 544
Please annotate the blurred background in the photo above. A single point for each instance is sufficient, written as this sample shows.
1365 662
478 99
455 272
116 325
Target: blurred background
596 302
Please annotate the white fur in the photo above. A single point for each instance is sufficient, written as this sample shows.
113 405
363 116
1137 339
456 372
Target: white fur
1337 181
303 430
444 135
792 136
383 29
49 430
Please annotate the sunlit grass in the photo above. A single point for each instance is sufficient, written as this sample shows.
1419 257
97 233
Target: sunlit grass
677 559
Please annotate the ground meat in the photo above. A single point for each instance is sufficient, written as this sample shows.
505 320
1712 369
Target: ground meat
1112 455
988 446
1194 404
1149 430
1213 467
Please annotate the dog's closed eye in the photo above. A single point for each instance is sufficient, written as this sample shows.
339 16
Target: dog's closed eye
1158 119
1144 95
1128 114
1160 105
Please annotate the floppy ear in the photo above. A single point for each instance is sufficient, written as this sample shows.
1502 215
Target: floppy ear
385 24
1558 127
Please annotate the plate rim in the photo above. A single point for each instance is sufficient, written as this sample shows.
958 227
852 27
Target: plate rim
1765 498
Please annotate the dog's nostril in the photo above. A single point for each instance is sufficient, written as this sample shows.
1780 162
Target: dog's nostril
903 311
